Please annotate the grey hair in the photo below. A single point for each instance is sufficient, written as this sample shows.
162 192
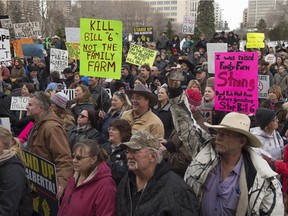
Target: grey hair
159 154
42 100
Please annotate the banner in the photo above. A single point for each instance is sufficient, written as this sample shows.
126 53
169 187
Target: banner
211 49
255 40
236 82
72 34
73 50
42 175
101 48
139 55
58 59
30 50
5 54
143 34
263 86
188 25
28 29
17 45
6 23
19 103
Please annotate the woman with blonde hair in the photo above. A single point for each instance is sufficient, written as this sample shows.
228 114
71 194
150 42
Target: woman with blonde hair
13 181
119 103
82 101
194 84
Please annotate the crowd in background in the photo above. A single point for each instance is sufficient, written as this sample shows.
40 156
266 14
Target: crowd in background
94 124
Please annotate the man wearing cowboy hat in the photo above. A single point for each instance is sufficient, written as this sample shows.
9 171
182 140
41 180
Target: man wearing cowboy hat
140 116
228 177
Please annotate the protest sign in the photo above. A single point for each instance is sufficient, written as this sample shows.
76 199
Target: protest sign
5 122
270 58
211 49
143 34
188 25
6 23
28 29
236 82
5 54
19 103
17 45
58 59
263 86
139 55
30 50
255 40
42 175
70 93
101 48
73 50
72 34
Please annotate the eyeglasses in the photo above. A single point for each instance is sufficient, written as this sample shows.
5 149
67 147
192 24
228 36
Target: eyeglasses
82 116
78 157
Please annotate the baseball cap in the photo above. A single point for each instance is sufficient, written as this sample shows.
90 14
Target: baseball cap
142 139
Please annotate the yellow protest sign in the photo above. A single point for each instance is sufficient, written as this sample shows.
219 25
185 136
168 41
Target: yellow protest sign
255 40
100 48
17 45
73 50
139 55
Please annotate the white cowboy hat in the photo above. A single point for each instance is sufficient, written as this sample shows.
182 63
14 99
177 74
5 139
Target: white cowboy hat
239 123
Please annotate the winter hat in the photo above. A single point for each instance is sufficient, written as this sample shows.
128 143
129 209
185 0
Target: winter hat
264 117
194 96
60 99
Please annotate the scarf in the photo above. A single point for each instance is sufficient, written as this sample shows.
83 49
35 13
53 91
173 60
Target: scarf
207 105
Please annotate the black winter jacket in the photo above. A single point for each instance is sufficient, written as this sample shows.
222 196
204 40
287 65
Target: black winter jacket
165 194
75 135
13 185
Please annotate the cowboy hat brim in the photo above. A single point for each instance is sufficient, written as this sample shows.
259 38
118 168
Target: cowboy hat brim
153 100
253 140
189 64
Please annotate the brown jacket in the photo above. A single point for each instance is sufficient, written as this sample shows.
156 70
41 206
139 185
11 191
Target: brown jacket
147 122
49 140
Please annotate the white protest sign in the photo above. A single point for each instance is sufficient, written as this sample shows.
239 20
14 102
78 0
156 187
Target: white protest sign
211 49
188 25
6 23
263 86
5 122
58 59
19 103
72 34
70 93
4 45
270 58
27 29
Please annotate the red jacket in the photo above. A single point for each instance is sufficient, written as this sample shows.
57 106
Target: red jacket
281 167
94 197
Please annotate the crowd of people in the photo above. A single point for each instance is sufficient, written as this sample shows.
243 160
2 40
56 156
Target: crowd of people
156 146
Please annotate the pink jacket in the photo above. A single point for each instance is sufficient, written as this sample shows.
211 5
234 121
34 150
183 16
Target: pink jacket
94 197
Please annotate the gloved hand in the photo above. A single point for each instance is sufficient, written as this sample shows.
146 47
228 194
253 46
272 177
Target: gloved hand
44 53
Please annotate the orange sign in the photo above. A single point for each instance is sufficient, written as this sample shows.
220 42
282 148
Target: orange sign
17 45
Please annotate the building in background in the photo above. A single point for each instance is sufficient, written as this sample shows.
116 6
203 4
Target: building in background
175 10
258 9
219 24
244 18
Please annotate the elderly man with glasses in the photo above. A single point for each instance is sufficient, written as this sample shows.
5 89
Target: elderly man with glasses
226 174
150 187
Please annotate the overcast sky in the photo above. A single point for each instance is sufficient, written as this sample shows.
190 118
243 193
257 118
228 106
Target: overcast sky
233 11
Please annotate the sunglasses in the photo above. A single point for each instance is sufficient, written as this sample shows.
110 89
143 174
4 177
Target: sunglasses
78 157
82 116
